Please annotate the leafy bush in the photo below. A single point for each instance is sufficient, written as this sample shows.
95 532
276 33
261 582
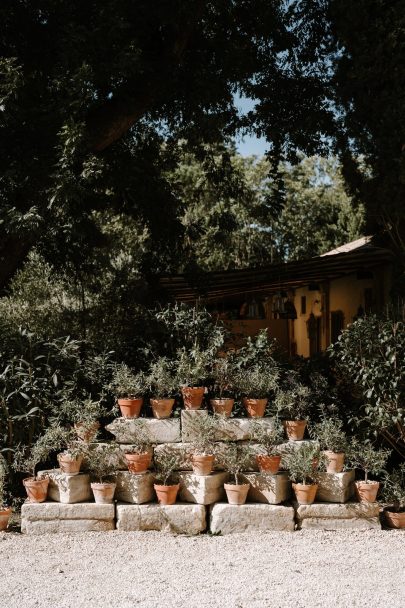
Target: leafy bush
294 403
205 428
167 461
256 382
3 475
303 463
193 366
394 488
367 458
83 411
269 438
330 435
101 461
162 378
257 371
223 375
142 442
127 384
236 459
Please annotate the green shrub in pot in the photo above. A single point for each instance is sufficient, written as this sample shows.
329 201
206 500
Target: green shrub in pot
294 405
393 493
370 460
129 388
270 439
5 511
235 459
163 384
302 464
332 440
101 463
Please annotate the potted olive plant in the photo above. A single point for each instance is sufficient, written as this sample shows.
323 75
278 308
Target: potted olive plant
5 511
255 383
84 414
293 405
73 450
26 459
302 464
223 374
203 444
270 439
192 369
332 440
167 461
236 459
139 454
394 495
163 383
101 464
372 461
129 389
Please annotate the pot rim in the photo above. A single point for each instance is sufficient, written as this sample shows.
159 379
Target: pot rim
169 485
106 483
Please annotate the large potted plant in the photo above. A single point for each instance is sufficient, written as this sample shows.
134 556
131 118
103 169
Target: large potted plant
394 494
129 389
138 455
203 444
302 465
255 383
236 459
166 485
223 374
101 464
372 461
332 440
192 369
163 384
5 511
73 450
293 405
270 440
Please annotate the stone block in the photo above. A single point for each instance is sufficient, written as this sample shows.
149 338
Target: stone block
135 489
335 487
160 431
179 518
184 450
229 519
67 489
46 517
188 425
267 488
229 429
202 489
328 516
319 523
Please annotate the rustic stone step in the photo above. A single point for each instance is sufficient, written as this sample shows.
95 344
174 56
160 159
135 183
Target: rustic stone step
319 523
180 518
67 489
230 519
328 516
335 487
202 489
47 517
135 489
160 431
267 488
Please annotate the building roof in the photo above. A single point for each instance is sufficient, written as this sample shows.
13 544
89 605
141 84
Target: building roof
360 255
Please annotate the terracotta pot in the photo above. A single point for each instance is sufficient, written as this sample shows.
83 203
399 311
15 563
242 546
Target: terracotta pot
5 513
130 408
335 461
295 429
236 493
395 520
103 492
268 464
305 493
202 463
366 492
255 407
69 465
162 408
166 495
222 406
138 463
193 397
37 489
87 432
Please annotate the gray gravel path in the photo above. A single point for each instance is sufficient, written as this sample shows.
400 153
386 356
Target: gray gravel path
151 570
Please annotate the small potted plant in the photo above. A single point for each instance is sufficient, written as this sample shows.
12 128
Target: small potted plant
255 383
163 383
394 495
101 464
223 376
84 414
167 461
203 445
5 511
332 440
236 459
372 461
270 439
26 460
302 464
293 405
60 438
192 369
129 389
138 455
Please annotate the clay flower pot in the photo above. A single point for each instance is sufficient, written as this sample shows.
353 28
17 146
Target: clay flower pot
103 492
202 463
395 519
166 495
305 493
366 491
37 489
130 408
192 397
255 407
335 461
236 493
222 406
5 513
295 429
70 465
162 408
268 464
138 463
87 432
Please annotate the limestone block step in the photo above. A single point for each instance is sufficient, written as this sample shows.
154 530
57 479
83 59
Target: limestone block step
229 519
335 487
160 431
267 488
179 518
202 489
184 450
327 516
229 429
46 517
135 489
67 489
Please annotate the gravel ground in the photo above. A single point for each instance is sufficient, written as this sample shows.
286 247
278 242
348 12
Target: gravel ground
153 569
